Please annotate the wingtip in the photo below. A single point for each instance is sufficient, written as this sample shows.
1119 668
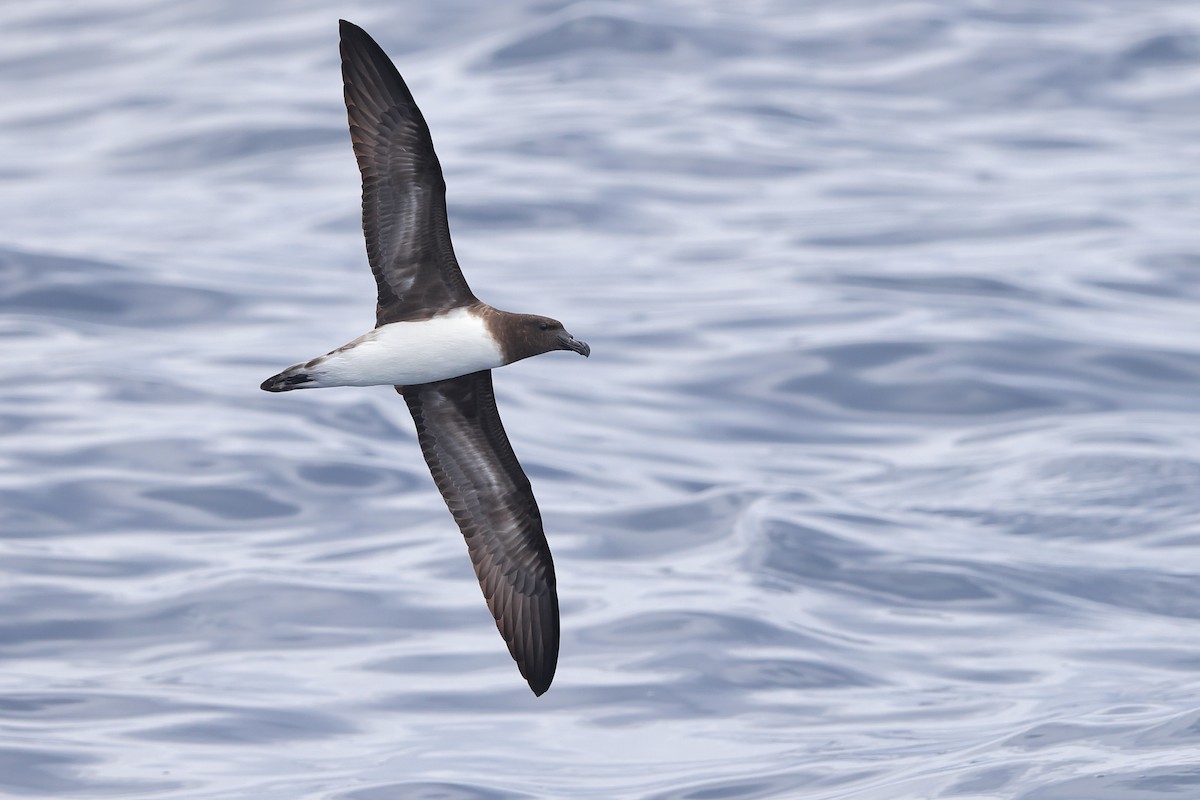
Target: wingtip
348 31
540 676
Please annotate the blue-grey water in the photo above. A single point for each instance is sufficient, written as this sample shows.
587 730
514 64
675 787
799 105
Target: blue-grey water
883 480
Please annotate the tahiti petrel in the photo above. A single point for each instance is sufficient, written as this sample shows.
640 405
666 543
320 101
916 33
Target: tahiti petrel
437 344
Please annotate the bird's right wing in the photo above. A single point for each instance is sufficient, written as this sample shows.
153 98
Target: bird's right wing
486 490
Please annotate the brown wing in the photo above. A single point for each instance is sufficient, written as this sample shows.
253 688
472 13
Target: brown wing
486 490
404 194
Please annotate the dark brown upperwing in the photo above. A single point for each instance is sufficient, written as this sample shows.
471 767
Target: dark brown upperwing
404 194
486 490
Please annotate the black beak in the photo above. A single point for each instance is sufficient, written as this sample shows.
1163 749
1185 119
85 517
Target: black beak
569 342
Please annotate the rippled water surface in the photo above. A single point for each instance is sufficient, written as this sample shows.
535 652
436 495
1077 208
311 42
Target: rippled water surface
883 480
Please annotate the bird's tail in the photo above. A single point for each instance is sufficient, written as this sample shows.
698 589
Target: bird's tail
294 377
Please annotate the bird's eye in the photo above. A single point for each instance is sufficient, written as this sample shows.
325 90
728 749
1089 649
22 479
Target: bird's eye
545 326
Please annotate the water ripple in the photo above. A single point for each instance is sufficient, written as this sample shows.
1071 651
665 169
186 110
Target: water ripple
880 481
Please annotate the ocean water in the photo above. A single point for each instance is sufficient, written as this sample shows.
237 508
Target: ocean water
883 480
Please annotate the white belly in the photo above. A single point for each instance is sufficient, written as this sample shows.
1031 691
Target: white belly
406 353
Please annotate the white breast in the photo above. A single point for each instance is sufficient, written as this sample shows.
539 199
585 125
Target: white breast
405 353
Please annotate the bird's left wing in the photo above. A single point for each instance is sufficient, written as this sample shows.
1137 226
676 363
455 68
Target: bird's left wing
489 495
404 193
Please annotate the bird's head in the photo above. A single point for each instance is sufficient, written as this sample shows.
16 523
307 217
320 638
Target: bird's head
533 335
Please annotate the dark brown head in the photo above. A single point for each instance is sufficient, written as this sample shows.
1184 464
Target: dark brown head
524 335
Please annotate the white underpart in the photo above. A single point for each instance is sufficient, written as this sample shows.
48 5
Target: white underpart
406 353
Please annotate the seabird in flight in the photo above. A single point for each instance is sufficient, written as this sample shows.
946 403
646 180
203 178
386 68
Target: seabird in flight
437 344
